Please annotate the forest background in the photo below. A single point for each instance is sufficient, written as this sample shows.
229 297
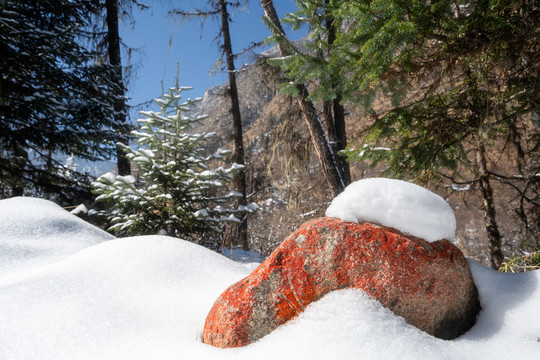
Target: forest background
443 94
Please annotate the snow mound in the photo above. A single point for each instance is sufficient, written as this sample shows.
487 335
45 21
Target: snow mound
349 324
130 298
37 232
147 297
398 204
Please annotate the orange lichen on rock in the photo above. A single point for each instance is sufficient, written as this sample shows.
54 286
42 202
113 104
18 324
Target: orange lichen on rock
428 284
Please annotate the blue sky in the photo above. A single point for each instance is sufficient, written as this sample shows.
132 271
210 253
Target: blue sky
194 50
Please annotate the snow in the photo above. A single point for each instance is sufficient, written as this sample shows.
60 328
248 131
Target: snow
108 177
233 193
398 204
141 158
97 297
252 207
243 256
36 232
80 209
465 187
128 179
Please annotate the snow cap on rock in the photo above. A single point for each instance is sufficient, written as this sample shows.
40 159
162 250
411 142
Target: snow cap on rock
398 204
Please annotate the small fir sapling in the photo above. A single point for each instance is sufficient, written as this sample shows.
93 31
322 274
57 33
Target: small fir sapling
180 190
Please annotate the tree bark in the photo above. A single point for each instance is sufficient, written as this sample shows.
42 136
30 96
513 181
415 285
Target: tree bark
238 154
341 136
320 142
21 159
328 113
338 110
488 206
113 41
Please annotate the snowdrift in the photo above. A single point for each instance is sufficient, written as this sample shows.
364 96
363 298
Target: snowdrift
70 291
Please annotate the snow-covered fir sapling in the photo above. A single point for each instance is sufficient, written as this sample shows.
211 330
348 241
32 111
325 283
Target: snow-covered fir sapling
179 189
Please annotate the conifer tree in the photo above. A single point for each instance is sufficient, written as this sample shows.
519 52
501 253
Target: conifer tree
54 100
220 8
106 38
477 66
178 189
113 50
328 161
314 67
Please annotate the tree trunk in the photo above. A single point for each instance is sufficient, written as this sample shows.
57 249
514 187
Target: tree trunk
238 154
320 142
341 136
20 160
328 113
113 40
488 206
338 111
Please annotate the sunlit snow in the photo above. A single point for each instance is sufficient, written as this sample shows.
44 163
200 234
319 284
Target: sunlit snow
399 204
70 291
36 232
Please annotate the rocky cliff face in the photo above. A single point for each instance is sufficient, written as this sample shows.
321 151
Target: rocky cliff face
284 176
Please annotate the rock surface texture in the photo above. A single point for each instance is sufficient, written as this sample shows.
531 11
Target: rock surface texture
428 284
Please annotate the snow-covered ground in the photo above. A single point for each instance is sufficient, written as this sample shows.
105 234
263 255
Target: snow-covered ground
71 291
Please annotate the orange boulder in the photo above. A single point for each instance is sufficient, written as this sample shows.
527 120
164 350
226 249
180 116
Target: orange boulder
428 284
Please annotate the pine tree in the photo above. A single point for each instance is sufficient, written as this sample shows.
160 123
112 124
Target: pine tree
328 161
105 37
479 64
113 50
178 189
220 7
54 99
314 67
